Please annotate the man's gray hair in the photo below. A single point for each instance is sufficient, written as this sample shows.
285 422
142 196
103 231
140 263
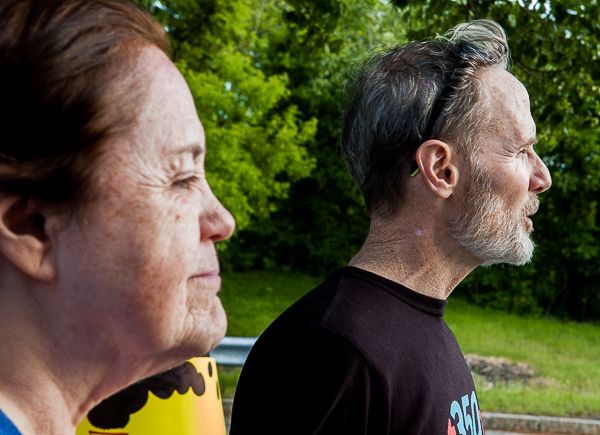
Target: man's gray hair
408 94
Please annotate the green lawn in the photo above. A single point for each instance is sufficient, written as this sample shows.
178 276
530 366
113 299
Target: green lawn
254 299
566 355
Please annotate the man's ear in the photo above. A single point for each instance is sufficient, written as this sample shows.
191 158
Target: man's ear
24 238
435 160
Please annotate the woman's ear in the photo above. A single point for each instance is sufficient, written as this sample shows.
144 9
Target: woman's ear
24 238
435 160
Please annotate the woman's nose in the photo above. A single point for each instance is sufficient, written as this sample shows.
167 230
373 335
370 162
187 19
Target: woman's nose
216 223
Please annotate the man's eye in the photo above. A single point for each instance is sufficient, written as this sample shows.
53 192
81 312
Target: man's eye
186 182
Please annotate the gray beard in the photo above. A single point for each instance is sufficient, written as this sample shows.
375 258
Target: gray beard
488 229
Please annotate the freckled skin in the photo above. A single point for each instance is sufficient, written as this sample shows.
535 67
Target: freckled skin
127 287
140 249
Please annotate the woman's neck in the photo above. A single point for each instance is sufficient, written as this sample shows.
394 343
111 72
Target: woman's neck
52 371
29 392
43 388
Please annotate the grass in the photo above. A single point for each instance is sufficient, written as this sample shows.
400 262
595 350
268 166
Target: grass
565 354
254 299
228 379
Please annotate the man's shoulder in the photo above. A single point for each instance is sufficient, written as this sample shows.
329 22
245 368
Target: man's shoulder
344 297
371 313
367 347
309 313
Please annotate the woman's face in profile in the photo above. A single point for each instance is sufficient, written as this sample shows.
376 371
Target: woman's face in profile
140 260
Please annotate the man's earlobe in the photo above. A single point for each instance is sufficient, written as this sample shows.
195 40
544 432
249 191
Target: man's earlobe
24 240
435 161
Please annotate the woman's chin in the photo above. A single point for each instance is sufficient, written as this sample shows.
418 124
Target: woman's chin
219 327
209 330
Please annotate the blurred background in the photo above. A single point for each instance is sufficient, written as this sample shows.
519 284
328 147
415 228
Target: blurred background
268 78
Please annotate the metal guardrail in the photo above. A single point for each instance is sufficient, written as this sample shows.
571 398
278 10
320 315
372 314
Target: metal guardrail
233 351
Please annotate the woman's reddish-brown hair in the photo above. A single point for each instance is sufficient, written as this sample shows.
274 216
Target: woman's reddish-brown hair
66 85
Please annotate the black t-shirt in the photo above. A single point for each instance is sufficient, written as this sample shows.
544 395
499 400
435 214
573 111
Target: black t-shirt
360 354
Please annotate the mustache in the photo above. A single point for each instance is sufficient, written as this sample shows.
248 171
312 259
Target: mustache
532 206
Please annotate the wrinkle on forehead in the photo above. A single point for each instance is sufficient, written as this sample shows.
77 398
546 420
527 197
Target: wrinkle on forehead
173 129
167 134
510 102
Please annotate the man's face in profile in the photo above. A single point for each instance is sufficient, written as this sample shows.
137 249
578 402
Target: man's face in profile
505 177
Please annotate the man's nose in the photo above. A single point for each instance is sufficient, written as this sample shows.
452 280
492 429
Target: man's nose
540 178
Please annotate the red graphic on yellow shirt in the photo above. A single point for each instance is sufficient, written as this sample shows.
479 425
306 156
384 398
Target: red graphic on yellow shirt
451 430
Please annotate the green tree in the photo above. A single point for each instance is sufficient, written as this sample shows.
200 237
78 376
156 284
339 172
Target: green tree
251 142
323 222
555 54
262 71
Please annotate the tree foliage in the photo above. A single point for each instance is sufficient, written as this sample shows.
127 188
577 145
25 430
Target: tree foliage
251 139
555 51
323 223
262 72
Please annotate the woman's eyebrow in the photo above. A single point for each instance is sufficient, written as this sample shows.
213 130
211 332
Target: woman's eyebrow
195 149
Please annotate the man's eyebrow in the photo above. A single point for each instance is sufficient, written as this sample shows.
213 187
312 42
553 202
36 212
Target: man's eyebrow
529 142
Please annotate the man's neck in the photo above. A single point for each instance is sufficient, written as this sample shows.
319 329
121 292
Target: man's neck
415 253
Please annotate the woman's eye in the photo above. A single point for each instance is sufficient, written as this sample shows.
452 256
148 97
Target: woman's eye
186 182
